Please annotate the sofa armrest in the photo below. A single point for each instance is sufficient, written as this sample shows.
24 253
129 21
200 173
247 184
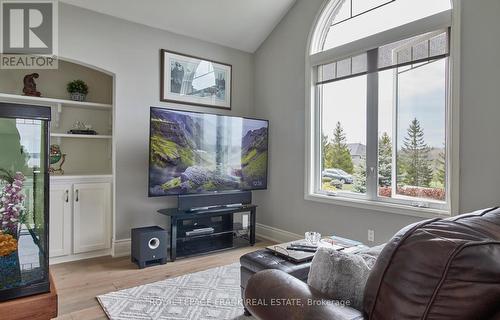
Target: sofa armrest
274 294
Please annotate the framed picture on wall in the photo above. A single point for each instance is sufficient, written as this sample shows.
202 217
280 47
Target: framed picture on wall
196 81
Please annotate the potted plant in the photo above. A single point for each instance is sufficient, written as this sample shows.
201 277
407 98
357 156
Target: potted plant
78 90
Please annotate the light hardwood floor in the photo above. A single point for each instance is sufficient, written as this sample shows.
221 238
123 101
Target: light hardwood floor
78 283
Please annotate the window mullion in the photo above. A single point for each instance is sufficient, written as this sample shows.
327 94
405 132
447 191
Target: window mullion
318 163
372 125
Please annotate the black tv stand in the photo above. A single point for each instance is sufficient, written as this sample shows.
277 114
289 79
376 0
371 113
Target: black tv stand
193 210
226 232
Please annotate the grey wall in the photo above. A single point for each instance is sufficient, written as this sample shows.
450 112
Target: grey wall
270 84
480 109
131 52
280 95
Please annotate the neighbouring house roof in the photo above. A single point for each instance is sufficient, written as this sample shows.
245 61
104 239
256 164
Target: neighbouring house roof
357 149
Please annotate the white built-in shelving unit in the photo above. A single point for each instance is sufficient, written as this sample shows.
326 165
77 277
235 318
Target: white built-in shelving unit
53 101
81 205
80 136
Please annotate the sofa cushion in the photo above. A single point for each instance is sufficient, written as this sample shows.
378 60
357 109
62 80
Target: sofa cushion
342 276
439 269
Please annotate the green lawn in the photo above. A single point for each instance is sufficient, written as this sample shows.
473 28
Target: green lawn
327 187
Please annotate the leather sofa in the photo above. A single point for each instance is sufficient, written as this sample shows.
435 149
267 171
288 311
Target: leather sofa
437 269
259 260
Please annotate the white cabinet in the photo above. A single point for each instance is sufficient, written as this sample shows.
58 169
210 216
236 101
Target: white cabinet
91 213
80 217
60 220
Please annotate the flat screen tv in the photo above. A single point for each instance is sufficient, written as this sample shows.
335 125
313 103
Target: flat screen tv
191 152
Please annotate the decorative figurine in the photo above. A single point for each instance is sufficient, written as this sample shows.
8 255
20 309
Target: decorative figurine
30 85
80 127
55 156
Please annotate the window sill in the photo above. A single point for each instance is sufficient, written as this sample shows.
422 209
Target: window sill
383 207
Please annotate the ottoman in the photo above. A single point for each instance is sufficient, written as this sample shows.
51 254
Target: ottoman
259 260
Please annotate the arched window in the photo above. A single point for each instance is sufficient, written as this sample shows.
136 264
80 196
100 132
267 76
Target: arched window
380 106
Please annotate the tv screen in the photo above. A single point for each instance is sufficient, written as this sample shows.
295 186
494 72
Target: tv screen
193 152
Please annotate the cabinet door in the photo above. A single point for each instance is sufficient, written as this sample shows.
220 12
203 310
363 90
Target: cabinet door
91 217
60 220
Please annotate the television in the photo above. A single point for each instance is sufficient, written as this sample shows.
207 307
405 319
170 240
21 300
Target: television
193 153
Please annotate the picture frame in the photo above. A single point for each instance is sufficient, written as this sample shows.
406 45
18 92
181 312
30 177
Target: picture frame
187 79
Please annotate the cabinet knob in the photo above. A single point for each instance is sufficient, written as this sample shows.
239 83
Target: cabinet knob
77 198
67 196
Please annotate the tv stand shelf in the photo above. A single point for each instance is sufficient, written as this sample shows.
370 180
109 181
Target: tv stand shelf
189 238
225 233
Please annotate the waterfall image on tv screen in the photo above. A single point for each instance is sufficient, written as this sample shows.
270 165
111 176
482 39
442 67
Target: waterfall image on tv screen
201 153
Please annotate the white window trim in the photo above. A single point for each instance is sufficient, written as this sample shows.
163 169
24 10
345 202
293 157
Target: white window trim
453 115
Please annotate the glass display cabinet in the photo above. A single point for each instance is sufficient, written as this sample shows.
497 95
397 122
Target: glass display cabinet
24 204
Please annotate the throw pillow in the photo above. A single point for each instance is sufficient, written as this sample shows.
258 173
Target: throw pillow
342 276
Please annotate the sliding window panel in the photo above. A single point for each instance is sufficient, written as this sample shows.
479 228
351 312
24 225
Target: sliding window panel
343 136
419 109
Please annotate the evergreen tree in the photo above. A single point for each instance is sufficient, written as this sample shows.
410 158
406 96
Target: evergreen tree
338 155
326 152
385 160
359 184
415 164
441 168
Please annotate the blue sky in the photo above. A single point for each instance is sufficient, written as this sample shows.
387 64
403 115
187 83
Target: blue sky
431 115
421 93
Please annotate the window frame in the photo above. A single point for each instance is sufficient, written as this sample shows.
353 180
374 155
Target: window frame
315 57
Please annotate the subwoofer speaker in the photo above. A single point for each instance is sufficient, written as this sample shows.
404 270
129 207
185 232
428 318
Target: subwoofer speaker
149 246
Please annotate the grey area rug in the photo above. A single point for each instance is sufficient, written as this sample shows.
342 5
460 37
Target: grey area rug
206 295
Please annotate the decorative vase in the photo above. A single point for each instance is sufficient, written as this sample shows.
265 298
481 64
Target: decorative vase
77 96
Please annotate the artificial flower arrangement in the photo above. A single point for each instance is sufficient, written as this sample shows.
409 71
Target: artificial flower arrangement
11 210
7 244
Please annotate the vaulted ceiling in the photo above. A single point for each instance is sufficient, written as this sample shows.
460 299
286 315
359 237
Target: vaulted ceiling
239 24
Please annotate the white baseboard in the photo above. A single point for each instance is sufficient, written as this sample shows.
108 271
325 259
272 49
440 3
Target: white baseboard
121 248
80 256
274 234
